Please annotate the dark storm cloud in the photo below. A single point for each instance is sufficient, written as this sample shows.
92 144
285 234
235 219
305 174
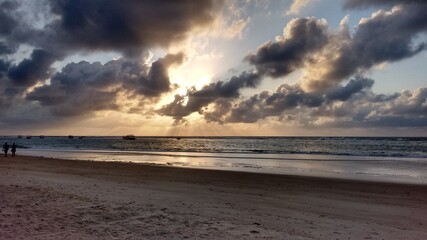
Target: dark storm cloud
128 24
197 99
6 48
31 70
301 38
85 87
4 66
79 88
15 31
157 81
7 22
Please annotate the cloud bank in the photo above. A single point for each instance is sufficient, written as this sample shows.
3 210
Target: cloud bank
334 90
328 59
129 27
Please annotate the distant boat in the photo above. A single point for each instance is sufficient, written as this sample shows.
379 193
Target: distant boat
81 137
178 138
70 136
41 136
129 137
19 136
28 137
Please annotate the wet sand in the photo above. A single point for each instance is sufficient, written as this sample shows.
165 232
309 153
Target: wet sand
43 198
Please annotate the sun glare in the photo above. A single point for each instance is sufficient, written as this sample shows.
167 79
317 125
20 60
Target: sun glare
187 78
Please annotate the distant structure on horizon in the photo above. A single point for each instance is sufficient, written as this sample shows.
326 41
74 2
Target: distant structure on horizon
129 137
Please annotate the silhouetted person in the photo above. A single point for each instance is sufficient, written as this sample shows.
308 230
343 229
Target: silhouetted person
13 149
5 149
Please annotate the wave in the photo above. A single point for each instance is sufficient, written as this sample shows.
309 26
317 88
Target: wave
407 147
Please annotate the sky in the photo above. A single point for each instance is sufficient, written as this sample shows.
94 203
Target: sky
213 67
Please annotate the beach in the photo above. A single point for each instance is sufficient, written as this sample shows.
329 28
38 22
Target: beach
45 198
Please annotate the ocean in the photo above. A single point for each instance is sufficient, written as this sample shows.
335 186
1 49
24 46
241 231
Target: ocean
395 159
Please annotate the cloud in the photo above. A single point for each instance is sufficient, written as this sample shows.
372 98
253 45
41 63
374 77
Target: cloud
129 27
4 66
7 22
78 89
221 108
405 109
232 20
157 80
301 37
329 57
82 88
353 86
297 6
224 109
128 24
386 36
332 92
15 79
6 48
235 30
290 97
352 105
195 100
14 29
29 71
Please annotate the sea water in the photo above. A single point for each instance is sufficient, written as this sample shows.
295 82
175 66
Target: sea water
395 159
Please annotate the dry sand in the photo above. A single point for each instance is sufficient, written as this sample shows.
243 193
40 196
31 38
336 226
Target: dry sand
58 199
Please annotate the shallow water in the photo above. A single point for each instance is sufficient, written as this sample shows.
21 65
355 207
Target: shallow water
351 146
382 169
394 159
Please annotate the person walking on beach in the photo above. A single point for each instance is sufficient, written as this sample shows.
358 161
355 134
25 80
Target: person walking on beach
13 149
5 149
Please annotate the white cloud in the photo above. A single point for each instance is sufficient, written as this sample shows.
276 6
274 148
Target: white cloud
297 5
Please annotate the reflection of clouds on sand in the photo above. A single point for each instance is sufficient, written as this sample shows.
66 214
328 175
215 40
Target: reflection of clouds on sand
412 170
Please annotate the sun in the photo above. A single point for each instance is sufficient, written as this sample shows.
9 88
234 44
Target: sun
185 79
188 78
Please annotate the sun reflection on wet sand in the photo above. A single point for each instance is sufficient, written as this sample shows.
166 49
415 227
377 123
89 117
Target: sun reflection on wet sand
409 170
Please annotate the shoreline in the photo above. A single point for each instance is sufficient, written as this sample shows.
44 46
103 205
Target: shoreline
148 166
375 169
128 200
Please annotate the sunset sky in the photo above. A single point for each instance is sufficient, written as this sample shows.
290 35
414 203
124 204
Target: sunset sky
167 68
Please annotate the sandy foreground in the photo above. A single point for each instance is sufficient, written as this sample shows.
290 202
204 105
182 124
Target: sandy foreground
44 198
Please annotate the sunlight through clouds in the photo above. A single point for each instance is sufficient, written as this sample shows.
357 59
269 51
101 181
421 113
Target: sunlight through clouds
222 64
